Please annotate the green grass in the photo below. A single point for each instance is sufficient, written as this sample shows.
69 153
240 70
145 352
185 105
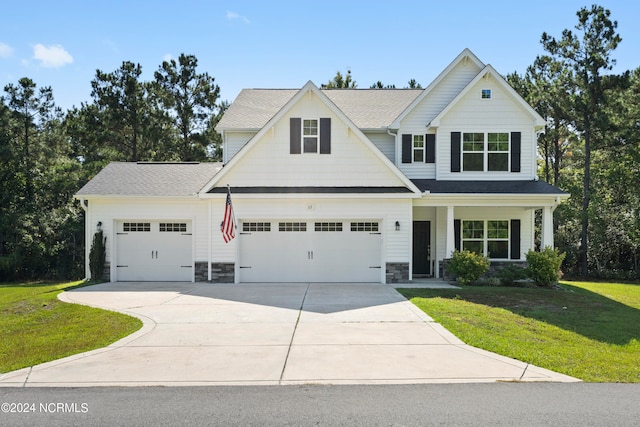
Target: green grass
37 327
586 330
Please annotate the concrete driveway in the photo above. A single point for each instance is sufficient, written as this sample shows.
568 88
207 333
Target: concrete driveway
211 334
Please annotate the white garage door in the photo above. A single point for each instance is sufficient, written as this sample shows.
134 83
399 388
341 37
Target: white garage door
154 251
310 251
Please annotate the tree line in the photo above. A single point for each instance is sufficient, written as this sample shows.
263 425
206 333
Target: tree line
590 148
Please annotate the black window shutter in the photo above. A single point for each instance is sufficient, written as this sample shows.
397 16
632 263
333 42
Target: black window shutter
325 135
455 151
406 148
295 130
516 149
431 148
457 231
515 239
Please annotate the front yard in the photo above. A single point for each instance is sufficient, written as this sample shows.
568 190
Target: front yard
587 330
37 327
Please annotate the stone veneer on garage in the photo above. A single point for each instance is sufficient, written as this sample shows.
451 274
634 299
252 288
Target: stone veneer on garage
397 272
221 272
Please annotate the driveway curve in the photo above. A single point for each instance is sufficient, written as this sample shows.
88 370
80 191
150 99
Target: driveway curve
212 334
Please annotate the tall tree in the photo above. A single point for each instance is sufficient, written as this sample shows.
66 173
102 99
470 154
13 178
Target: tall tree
126 111
190 99
31 109
341 82
587 54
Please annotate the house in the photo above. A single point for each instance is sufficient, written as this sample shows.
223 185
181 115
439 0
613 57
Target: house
349 185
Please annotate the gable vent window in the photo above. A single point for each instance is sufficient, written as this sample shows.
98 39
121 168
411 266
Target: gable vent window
136 226
486 93
175 227
292 226
364 226
256 226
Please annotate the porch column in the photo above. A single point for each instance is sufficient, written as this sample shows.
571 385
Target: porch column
450 246
547 227
209 241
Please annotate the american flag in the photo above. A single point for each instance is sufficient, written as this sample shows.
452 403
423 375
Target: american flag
228 226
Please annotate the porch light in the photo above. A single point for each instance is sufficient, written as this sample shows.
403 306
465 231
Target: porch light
397 225
99 226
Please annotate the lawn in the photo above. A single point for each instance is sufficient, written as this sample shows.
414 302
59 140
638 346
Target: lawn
37 327
586 330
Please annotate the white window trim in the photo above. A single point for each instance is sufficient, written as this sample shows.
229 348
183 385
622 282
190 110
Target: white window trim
485 152
414 148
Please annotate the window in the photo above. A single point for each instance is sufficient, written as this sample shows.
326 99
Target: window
494 153
473 152
176 227
328 226
310 136
136 226
364 226
418 148
256 226
498 155
486 93
292 226
488 238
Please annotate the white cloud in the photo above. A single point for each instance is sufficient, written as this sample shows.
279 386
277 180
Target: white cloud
234 16
53 56
5 50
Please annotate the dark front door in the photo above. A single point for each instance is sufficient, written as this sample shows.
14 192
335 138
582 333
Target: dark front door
422 247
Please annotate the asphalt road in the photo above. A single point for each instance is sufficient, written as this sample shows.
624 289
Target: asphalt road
509 404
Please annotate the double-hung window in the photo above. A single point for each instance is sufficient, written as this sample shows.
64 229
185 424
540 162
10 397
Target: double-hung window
310 134
418 148
473 152
488 238
498 151
482 152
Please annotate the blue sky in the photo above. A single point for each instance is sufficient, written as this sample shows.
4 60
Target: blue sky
283 44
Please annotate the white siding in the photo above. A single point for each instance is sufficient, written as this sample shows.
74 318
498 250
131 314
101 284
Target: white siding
436 100
351 162
501 113
233 142
488 213
385 143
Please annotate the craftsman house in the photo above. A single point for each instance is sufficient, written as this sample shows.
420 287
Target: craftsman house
343 185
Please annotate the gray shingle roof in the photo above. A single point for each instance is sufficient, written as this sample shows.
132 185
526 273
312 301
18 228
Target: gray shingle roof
150 179
486 187
367 108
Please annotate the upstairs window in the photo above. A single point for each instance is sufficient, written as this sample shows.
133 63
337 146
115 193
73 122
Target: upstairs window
473 152
498 151
486 93
310 136
418 148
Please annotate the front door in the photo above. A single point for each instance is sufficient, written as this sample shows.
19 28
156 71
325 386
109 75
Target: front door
422 247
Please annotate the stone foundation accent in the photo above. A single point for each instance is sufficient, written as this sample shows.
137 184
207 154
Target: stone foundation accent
494 268
106 272
397 272
221 272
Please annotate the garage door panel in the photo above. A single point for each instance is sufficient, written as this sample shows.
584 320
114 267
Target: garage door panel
154 251
321 252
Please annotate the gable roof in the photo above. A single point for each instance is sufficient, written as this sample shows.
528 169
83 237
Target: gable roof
310 87
490 71
150 179
367 108
465 55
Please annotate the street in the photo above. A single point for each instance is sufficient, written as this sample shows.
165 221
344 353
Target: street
576 404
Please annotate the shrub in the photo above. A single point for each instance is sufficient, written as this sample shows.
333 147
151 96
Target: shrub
544 266
468 266
97 256
510 274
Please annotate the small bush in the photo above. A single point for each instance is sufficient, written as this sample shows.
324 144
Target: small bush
544 266
510 274
468 266
97 256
